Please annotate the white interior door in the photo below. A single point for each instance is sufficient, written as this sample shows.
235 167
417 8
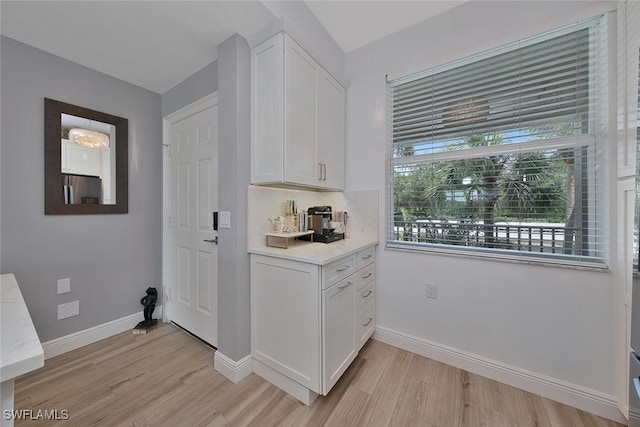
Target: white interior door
192 250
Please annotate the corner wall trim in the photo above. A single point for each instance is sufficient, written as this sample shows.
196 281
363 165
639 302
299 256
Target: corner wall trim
58 346
583 398
234 371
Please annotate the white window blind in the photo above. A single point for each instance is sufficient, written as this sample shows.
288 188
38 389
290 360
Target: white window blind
502 152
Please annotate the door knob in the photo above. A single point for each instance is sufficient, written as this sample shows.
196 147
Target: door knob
214 240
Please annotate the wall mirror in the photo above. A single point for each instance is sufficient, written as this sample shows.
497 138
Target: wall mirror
85 160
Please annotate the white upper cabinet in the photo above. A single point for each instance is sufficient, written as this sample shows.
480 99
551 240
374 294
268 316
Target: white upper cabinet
301 76
331 131
298 109
80 160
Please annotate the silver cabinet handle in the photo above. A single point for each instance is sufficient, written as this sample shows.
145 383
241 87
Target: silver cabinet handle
369 321
367 257
367 294
214 240
324 171
346 267
345 286
319 171
368 275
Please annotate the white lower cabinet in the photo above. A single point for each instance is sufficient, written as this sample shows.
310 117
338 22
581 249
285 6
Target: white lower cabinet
285 318
308 322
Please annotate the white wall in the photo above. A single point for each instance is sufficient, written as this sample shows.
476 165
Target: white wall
555 322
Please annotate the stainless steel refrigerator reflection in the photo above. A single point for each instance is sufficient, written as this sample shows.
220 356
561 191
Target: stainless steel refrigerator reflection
81 189
634 358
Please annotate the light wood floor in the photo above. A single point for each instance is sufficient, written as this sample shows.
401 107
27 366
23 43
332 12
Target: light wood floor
166 378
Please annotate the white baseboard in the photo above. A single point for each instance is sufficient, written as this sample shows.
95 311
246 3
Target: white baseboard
589 400
234 371
61 345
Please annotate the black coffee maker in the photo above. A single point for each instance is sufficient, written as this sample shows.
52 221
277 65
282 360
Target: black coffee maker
320 223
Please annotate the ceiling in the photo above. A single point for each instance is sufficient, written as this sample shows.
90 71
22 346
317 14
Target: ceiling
356 23
158 44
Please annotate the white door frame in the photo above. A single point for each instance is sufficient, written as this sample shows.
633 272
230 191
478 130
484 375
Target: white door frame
167 121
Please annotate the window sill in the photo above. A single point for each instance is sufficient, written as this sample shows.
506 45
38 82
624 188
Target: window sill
500 257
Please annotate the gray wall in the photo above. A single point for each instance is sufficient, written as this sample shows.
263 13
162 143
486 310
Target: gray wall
196 87
234 317
110 259
231 73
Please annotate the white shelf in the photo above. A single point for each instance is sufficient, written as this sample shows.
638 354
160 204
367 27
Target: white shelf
281 240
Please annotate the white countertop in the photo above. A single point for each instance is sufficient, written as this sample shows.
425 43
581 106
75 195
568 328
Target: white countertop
20 348
317 253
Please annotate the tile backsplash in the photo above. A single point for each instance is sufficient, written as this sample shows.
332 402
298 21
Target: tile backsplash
269 202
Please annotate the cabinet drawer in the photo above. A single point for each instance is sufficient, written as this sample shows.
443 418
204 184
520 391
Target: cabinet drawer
338 270
366 256
366 275
366 323
365 294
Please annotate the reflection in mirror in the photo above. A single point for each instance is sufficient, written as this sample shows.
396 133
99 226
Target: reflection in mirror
86 160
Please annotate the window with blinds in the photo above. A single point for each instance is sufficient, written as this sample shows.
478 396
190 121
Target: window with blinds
502 153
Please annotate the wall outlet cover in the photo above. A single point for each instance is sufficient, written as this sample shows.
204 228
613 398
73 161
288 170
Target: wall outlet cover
432 291
224 219
64 286
68 309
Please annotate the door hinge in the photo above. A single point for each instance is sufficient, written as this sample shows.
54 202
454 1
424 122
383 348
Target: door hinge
169 222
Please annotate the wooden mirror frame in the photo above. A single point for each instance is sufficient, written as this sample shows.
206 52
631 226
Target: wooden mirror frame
53 189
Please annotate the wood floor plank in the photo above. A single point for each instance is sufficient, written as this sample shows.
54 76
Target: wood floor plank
376 359
275 412
166 378
349 409
381 405
525 408
318 414
472 405
444 397
411 405
257 402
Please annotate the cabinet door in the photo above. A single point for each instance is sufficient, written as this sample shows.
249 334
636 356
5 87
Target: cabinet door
300 125
65 156
285 318
267 121
83 161
108 183
338 336
331 128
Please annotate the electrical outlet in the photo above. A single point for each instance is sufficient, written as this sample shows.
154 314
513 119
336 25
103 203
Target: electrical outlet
432 291
68 310
64 286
